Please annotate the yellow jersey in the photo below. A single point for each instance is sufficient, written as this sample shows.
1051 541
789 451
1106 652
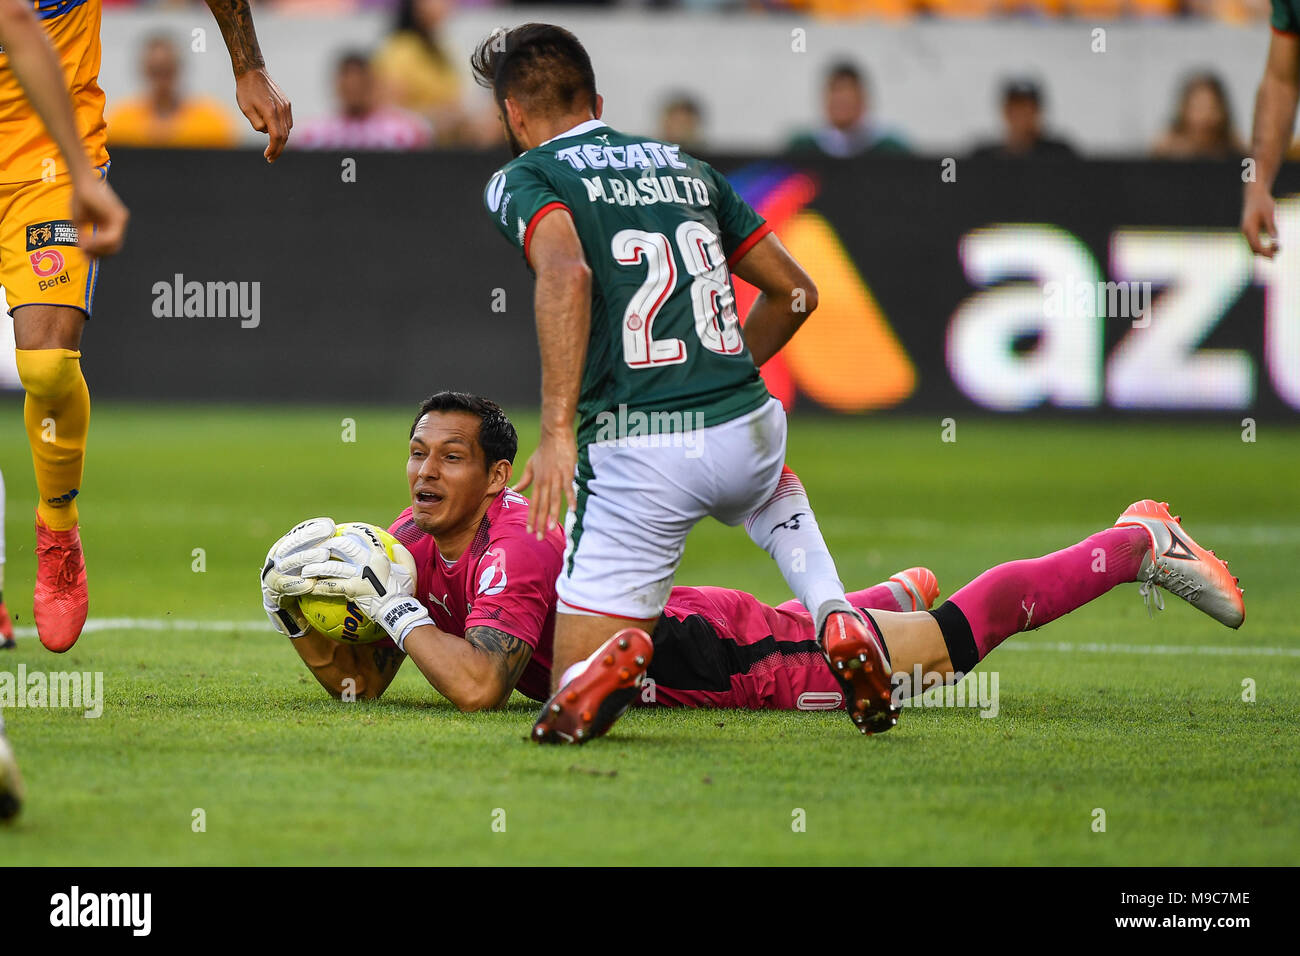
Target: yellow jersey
198 123
26 149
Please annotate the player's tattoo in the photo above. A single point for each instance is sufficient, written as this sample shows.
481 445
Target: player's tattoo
510 653
387 659
236 22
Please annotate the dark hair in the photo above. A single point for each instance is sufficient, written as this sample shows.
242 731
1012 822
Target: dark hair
542 66
408 24
1225 131
846 70
496 434
350 59
1022 88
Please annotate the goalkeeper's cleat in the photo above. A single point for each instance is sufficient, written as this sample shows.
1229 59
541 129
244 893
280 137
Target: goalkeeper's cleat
11 782
6 629
921 586
855 652
587 706
1182 567
61 599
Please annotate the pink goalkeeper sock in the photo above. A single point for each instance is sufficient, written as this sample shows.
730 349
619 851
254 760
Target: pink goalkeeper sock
1024 595
879 597
882 597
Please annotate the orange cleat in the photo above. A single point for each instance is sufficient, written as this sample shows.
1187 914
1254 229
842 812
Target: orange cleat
921 586
61 599
6 629
587 706
855 653
1182 567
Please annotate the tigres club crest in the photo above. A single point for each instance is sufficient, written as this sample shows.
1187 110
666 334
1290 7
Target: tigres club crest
56 232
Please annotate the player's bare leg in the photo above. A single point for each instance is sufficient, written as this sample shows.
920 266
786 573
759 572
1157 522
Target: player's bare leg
56 414
597 667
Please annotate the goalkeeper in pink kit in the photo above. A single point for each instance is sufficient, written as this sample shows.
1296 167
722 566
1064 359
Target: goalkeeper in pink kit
479 618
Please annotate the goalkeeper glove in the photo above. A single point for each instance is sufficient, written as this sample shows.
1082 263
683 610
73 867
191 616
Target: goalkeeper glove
282 578
355 566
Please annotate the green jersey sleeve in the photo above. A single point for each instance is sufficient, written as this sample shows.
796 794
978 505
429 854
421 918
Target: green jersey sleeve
741 226
1285 17
514 197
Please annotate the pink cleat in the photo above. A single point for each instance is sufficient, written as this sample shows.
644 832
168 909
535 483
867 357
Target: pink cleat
61 599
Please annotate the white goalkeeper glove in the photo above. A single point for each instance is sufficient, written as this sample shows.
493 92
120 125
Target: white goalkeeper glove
282 579
356 566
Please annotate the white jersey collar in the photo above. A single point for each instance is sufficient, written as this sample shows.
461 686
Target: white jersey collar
580 130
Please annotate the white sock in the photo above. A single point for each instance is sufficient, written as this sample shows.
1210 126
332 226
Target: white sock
785 527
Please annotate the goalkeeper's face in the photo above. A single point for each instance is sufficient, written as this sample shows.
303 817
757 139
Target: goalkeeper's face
450 479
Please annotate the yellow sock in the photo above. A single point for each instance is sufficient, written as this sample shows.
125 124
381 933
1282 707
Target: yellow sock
57 416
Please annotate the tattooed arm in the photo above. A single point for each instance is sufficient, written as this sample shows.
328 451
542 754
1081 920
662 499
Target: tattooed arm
258 97
477 672
370 667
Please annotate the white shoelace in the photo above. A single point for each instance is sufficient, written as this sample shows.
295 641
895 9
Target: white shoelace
1150 592
1174 582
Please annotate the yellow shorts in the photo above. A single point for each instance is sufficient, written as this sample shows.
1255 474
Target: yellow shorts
39 259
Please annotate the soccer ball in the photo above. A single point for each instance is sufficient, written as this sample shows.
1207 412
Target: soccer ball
340 619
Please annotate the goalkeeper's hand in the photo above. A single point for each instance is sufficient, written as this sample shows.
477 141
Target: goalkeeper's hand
282 579
356 566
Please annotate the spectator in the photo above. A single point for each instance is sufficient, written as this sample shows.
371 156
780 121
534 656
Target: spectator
680 122
1023 136
1202 126
361 122
164 116
849 130
418 73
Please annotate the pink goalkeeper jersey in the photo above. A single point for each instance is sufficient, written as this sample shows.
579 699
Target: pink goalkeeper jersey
715 647
504 580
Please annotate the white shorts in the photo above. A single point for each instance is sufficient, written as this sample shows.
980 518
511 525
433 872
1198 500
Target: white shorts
636 503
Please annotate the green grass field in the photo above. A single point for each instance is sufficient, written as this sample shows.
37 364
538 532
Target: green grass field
227 720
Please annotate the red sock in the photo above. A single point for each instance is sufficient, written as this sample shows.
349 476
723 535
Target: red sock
1024 595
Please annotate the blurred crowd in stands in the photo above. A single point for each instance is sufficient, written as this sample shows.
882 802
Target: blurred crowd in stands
1233 11
409 94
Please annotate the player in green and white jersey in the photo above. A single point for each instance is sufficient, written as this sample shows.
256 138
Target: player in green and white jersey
633 243
1275 109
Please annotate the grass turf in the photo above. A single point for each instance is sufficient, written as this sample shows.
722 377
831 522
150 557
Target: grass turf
231 723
